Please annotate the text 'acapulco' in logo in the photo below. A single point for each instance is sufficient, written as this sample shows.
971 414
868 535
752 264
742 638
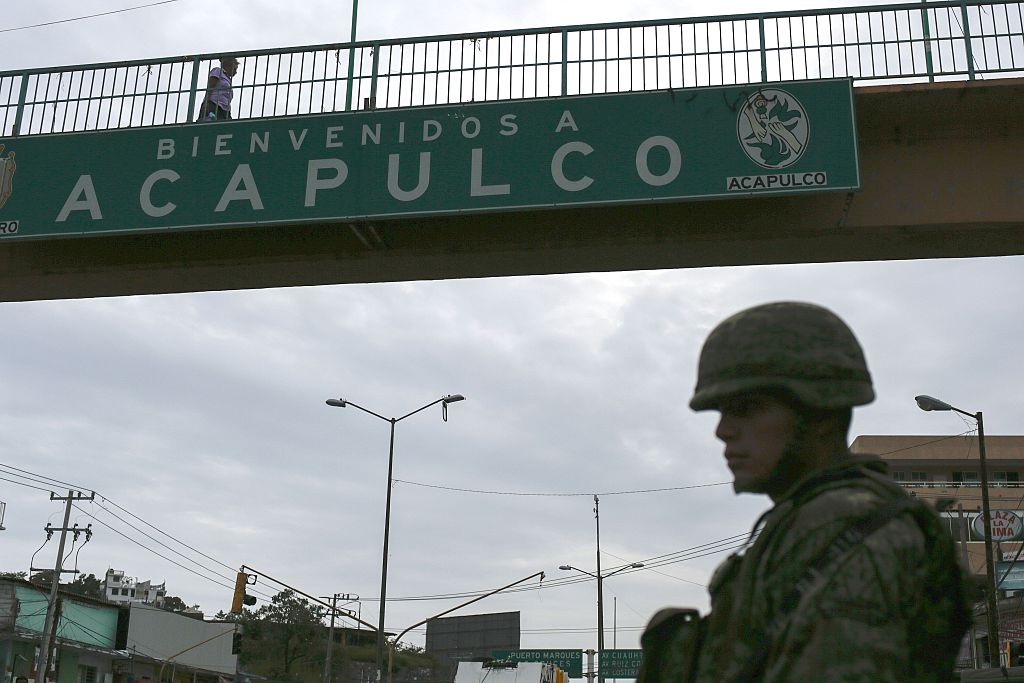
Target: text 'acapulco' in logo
774 131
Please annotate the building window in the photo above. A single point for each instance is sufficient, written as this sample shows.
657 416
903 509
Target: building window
86 674
124 591
1007 477
918 476
965 477
899 476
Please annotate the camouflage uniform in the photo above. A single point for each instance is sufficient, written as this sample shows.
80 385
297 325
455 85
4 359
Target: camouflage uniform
891 609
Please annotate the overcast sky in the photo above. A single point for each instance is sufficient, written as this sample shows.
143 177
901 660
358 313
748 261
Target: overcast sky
204 414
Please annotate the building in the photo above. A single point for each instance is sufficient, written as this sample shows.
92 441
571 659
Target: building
945 472
126 589
102 642
87 631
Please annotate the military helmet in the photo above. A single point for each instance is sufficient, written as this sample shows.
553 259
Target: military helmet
803 349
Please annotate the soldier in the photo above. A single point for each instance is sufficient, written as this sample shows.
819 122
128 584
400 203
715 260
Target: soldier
848 578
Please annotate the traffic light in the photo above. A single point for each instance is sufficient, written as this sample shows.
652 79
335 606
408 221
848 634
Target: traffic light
240 598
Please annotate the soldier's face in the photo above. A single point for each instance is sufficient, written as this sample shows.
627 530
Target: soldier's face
758 430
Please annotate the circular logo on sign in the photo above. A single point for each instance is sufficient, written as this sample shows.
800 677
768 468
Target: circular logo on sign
1006 525
772 128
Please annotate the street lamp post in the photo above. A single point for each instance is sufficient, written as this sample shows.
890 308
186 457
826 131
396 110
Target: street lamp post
600 591
930 403
445 401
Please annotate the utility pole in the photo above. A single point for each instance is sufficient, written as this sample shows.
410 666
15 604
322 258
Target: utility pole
50 627
347 597
600 596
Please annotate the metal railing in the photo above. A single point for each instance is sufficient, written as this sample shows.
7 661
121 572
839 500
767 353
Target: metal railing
950 40
958 484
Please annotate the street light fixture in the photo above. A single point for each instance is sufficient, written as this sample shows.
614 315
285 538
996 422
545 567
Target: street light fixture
600 601
343 403
929 403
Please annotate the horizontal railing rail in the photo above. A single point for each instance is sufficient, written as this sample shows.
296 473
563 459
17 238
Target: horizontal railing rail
948 40
958 484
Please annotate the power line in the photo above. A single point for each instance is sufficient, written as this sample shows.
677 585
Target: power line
40 478
86 16
21 483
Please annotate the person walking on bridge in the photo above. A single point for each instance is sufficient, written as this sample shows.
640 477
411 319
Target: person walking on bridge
217 102
848 579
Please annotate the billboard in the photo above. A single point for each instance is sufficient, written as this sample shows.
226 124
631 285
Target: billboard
472 637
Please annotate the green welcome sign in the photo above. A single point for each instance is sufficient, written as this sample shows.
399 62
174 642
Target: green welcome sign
666 145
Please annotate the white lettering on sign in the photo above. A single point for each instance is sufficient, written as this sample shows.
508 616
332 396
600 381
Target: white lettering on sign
476 184
221 148
82 198
263 142
165 149
332 137
146 201
421 184
241 188
567 121
315 183
509 125
675 160
470 127
431 130
297 143
558 173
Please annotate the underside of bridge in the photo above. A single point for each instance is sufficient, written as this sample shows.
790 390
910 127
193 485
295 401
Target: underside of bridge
942 172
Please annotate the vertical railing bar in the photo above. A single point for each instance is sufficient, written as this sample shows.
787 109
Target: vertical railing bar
565 62
968 47
192 90
102 97
127 102
708 52
487 65
86 104
324 83
79 104
350 82
19 111
289 84
926 33
373 74
167 92
764 53
56 100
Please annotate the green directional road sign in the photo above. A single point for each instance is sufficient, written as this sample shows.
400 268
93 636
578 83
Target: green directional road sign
590 150
569 661
620 663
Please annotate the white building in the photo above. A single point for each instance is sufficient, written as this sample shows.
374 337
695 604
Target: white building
127 589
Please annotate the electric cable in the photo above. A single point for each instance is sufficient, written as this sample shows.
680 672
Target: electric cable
87 16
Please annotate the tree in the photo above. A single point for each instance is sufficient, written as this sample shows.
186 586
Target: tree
172 603
87 585
283 637
14 575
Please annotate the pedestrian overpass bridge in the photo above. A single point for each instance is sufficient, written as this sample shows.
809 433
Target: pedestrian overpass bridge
882 132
